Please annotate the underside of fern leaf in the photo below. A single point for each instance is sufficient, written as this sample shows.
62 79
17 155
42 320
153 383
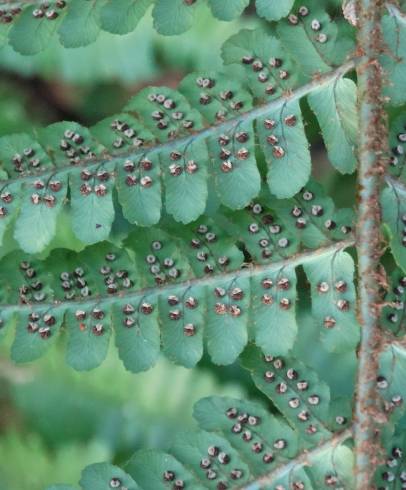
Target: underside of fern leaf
193 224
239 445
165 147
189 290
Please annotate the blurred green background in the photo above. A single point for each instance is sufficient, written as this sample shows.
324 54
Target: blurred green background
54 421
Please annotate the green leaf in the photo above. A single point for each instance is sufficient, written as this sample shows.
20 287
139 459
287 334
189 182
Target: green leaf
36 223
192 448
122 16
80 25
393 468
390 381
230 301
104 476
30 35
92 205
9 205
235 171
312 215
334 300
153 469
185 178
253 50
182 325
284 143
283 379
137 335
138 178
397 143
394 62
223 414
274 9
393 314
393 200
173 16
274 316
33 332
336 111
310 38
228 10
89 332
335 463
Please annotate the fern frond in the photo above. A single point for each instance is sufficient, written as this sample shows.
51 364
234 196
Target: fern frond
30 25
187 140
163 289
240 445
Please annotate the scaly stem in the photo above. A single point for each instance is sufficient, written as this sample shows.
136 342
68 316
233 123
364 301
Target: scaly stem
371 167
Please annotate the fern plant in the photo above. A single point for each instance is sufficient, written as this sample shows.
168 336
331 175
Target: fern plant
190 222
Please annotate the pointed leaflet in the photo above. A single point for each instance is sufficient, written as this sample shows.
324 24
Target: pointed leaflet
335 108
393 200
232 153
137 178
333 300
104 476
173 16
80 25
284 143
295 390
122 16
